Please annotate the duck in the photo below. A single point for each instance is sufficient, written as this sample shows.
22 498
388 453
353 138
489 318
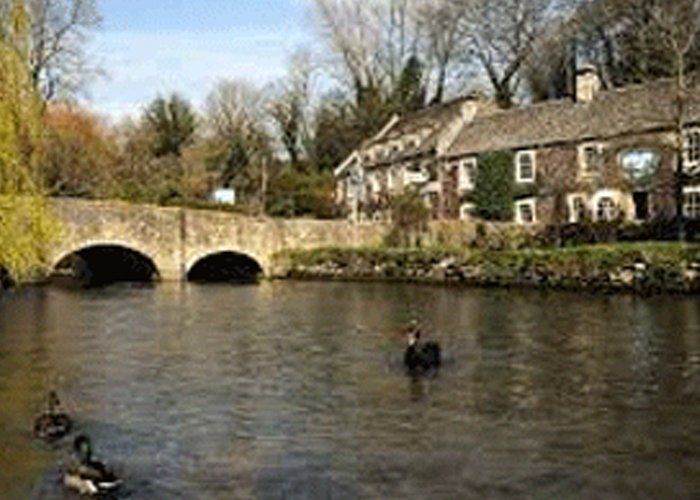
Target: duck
421 357
54 423
88 476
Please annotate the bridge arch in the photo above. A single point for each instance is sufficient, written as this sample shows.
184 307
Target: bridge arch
224 266
101 263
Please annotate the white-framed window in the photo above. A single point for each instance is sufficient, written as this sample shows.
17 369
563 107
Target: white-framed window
466 174
526 211
606 209
374 184
691 202
576 204
525 166
590 157
466 211
692 148
390 179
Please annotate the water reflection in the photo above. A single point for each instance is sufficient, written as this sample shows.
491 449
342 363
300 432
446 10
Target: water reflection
298 390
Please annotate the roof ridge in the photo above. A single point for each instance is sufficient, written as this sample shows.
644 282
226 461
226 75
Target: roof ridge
435 107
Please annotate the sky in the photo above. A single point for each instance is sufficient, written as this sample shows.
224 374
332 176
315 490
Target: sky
151 47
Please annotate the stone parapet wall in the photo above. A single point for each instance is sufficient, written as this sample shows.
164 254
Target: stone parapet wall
176 238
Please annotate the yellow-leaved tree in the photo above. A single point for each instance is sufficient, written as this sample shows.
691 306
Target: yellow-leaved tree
26 226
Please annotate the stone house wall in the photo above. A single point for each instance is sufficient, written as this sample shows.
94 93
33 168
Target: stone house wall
559 174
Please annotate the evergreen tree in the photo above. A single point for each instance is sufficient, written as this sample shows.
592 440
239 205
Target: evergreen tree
172 123
493 192
410 93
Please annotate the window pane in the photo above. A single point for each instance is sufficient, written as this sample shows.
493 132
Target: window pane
692 205
693 147
525 164
526 213
607 211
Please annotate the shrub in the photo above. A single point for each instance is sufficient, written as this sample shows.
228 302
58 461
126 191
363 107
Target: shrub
493 191
409 218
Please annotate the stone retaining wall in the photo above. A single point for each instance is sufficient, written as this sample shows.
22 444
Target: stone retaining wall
677 272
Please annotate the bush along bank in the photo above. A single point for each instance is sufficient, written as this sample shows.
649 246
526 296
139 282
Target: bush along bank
638 268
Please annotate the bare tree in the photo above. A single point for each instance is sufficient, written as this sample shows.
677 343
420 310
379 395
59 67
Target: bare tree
233 106
238 137
502 35
678 23
371 40
60 30
440 28
289 107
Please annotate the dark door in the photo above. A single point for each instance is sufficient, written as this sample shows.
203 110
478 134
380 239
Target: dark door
641 205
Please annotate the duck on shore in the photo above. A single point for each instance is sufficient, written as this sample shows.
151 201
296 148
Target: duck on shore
88 476
54 423
421 357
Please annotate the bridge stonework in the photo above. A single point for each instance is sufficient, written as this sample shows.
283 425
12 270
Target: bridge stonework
175 239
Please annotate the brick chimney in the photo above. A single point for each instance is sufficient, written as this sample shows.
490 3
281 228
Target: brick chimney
588 84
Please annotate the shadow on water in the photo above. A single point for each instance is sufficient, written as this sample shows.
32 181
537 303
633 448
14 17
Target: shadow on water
6 280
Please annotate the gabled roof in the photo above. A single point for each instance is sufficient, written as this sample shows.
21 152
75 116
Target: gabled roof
613 113
431 118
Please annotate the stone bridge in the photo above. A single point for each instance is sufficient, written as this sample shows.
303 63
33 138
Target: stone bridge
175 240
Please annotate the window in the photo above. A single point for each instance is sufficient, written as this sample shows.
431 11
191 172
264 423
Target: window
692 148
390 179
577 208
606 209
525 166
525 211
591 158
691 202
641 166
467 174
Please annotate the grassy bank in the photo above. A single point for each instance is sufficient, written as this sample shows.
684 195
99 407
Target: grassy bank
640 267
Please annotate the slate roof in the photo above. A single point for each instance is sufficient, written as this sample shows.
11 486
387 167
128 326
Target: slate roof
629 110
433 117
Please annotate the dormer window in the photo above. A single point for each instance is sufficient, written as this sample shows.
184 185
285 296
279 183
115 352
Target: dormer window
525 166
692 148
466 174
590 158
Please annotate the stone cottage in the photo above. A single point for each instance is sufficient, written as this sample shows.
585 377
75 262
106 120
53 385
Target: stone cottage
404 155
605 155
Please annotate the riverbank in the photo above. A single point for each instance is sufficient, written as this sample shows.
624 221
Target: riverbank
644 268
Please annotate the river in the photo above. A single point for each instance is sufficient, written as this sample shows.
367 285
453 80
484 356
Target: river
296 390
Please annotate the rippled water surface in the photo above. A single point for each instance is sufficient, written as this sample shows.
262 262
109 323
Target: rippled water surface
295 390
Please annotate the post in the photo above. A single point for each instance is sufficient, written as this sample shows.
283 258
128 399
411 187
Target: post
263 187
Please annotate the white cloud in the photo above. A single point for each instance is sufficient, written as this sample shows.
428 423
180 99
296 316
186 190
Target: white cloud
140 65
